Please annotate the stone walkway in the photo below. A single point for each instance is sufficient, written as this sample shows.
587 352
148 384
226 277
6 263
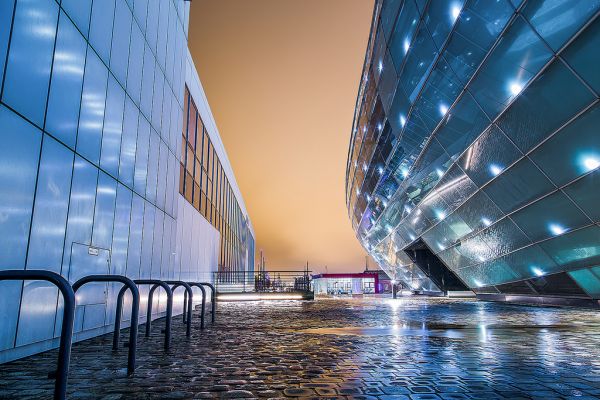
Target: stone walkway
411 348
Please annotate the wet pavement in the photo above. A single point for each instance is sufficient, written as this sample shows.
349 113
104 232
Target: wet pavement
409 348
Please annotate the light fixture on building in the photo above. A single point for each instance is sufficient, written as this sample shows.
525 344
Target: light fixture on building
556 229
537 271
495 169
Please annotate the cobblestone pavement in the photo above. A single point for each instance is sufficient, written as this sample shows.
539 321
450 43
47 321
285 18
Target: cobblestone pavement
410 348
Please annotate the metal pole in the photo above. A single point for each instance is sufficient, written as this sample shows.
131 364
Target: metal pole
66 333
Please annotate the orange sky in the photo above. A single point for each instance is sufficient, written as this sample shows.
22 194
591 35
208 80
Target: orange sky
281 77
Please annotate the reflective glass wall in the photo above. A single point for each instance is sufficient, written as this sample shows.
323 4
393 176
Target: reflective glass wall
91 114
475 132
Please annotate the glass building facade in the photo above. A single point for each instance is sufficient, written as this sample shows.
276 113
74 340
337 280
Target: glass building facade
93 101
474 153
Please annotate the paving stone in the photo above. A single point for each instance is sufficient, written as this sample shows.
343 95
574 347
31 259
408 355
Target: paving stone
418 349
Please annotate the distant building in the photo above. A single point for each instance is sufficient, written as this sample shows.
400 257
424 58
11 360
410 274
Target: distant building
367 282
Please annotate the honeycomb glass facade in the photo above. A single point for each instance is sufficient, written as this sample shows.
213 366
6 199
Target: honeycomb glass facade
92 109
474 155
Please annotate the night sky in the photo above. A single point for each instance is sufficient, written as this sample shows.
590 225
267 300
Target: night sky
281 77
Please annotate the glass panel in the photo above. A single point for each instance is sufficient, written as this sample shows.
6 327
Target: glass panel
588 279
6 14
120 234
134 249
79 11
551 216
585 193
30 57
488 156
582 56
478 212
104 211
147 83
576 249
100 31
152 180
51 207
141 158
93 99
128 143
557 20
147 239
541 109
19 156
517 186
530 262
134 69
573 151
65 90
518 57
81 207
119 53
113 127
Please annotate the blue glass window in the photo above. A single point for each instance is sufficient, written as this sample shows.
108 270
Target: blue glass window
141 156
152 23
134 251
128 143
140 11
163 22
19 156
136 57
6 14
120 236
113 127
105 211
586 192
147 83
557 20
159 81
576 249
159 217
583 57
147 239
79 11
541 108
81 207
51 207
573 151
162 176
30 58
65 87
552 215
152 167
517 58
119 54
101 28
519 185
93 98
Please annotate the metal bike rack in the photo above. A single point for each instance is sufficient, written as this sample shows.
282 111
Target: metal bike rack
135 310
202 310
187 303
66 334
213 300
155 284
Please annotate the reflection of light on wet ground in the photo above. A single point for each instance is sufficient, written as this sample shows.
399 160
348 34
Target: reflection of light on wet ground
480 332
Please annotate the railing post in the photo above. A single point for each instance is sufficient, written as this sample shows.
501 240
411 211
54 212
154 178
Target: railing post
203 306
155 284
66 333
135 306
187 305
